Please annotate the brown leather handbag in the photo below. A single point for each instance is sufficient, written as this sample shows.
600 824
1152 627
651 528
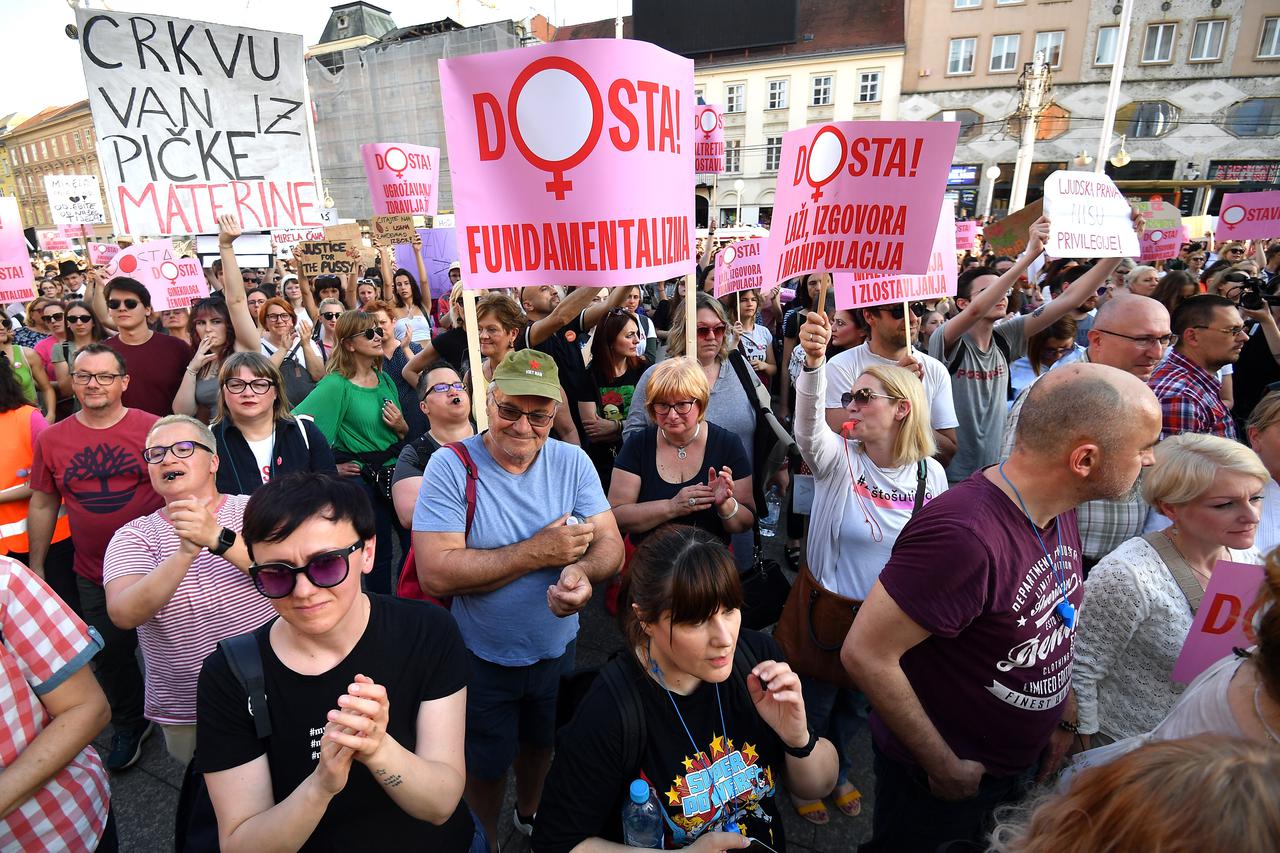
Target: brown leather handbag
815 621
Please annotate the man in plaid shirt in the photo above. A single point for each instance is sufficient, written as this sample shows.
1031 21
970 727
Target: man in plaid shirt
1210 336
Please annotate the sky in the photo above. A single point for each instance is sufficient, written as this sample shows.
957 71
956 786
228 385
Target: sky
41 66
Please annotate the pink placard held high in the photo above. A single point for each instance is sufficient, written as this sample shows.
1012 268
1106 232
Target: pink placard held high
17 282
738 266
708 130
859 290
859 196
572 163
1249 216
403 178
172 280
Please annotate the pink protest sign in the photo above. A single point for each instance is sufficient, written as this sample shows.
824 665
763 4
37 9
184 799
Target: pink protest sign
403 178
1246 216
439 251
858 290
53 241
172 280
738 266
1223 621
102 253
1163 235
708 133
572 163
75 230
966 234
859 196
17 283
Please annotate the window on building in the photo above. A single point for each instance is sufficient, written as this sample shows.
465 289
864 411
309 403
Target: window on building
772 153
1050 45
967 4
1146 119
960 56
1158 45
1004 52
1206 41
868 87
1054 121
1269 46
1105 53
777 95
75 139
733 156
733 97
970 122
1254 117
1009 2
821 91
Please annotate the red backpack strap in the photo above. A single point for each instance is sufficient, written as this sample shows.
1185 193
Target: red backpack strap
473 477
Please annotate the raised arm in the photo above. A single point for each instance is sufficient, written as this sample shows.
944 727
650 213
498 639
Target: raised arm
308 297
596 311
421 360
248 338
98 299
578 300
1071 298
385 253
980 305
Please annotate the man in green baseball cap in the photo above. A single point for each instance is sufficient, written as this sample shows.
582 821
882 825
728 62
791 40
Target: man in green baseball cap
528 373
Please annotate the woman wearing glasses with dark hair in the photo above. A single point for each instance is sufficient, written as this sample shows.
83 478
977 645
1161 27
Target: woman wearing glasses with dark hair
447 406
257 437
355 408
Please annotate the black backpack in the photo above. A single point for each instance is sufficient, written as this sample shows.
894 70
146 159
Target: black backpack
196 824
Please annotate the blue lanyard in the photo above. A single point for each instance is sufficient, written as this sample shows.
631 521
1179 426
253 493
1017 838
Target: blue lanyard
657 671
1065 610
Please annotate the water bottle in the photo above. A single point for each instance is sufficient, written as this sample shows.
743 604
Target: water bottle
642 818
773 510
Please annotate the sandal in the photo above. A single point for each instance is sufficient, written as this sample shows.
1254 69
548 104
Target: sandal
850 802
814 811
793 557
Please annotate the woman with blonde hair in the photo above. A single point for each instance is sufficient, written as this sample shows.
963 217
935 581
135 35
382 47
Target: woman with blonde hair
1179 796
1140 599
1142 280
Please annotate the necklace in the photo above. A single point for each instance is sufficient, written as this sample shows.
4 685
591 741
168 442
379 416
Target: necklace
682 449
1201 575
1257 709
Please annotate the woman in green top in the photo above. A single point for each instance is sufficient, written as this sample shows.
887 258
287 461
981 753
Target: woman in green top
28 370
354 406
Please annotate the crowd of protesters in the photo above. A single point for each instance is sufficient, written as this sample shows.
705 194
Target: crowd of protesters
266 523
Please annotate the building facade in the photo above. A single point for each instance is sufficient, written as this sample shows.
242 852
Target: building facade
1200 96
8 186
55 141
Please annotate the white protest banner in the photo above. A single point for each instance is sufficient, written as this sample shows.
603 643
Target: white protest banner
195 120
74 199
859 290
1088 217
286 239
738 267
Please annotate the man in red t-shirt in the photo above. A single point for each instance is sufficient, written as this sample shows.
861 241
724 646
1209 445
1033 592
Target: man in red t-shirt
964 645
155 362
91 463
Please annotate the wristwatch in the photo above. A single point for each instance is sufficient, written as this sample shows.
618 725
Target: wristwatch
226 538
802 752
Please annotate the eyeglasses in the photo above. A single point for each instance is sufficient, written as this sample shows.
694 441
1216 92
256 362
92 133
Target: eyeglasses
258 386
1236 250
1059 350
1229 330
1143 341
324 570
330 315
129 304
368 334
512 414
54 318
863 396
279 318
79 318
1196 258
897 312
681 408
1103 291
716 331
106 380
442 387
180 450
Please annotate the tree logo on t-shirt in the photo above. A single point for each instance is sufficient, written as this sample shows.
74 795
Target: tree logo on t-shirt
89 478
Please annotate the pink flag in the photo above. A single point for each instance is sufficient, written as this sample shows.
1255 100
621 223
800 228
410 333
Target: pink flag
173 281
858 290
17 283
403 178
859 196
738 266
1223 620
572 163
708 131
1246 216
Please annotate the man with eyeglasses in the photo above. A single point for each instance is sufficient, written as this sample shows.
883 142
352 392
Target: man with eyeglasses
887 344
180 576
542 533
92 465
365 694
1130 333
156 363
1210 336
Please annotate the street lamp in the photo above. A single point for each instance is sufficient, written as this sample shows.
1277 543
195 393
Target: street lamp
738 186
991 174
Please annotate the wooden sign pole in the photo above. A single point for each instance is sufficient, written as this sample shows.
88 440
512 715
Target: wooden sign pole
479 387
691 316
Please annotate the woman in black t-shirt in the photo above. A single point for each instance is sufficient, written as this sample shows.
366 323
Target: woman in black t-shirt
706 714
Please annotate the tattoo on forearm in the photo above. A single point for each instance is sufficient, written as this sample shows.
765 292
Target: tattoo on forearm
391 781
1038 311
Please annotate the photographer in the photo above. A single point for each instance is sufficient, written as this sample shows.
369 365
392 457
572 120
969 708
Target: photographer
1259 362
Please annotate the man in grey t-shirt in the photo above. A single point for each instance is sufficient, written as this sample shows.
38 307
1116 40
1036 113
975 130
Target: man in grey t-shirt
978 344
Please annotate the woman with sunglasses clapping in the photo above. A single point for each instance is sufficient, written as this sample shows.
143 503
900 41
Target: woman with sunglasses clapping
258 439
355 408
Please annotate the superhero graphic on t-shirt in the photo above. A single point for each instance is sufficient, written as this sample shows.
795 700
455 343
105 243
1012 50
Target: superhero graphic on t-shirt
718 790
103 478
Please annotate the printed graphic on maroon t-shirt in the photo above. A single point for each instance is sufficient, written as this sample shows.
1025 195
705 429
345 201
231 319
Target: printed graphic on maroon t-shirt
103 478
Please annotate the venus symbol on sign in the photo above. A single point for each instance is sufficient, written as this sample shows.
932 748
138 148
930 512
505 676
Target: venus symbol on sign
826 156
556 116
708 121
169 270
729 253
396 160
1233 215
